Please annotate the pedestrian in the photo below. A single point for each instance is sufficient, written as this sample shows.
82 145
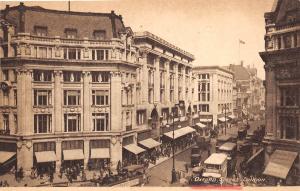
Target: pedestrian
186 167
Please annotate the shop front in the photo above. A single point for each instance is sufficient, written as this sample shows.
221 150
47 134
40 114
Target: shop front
132 154
72 153
44 161
99 154
7 156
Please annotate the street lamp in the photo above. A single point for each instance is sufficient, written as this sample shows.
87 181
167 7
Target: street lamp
225 107
173 180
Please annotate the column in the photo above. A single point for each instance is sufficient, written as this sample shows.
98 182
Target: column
292 40
116 152
25 156
58 101
86 101
144 79
156 88
167 84
58 154
270 101
86 153
183 93
176 83
115 100
12 126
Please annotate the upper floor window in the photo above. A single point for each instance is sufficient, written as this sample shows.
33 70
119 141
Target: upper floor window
100 122
99 54
42 97
141 117
42 75
100 77
72 76
5 75
71 33
100 97
290 96
72 53
41 30
71 97
287 41
72 122
99 34
42 123
5 122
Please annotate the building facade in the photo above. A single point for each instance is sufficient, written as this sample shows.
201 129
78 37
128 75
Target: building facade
281 57
81 84
214 94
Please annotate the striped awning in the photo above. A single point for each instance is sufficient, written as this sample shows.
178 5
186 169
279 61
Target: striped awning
5 156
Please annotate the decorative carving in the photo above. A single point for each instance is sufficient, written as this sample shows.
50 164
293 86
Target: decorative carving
115 74
27 49
287 71
57 51
85 52
57 73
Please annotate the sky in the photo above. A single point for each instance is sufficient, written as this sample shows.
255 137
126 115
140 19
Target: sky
209 29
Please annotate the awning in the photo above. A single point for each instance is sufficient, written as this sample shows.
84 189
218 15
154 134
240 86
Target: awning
232 116
195 116
134 149
211 174
255 155
100 153
205 120
228 146
223 119
180 132
45 156
75 154
150 143
5 156
280 163
201 125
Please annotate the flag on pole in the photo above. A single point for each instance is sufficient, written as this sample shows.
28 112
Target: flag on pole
242 42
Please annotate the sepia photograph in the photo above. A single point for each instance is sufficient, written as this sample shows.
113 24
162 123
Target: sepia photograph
150 93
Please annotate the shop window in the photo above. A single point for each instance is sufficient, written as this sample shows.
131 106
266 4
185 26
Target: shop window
105 143
44 146
72 122
69 145
128 140
100 122
289 128
71 97
42 97
99 34
42 123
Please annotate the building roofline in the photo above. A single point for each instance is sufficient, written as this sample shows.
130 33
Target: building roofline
214 68
147 34
41 9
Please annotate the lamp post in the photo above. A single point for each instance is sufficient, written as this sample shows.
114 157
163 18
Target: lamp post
173 180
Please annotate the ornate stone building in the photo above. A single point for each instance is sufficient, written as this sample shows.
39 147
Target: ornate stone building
282 66
80 87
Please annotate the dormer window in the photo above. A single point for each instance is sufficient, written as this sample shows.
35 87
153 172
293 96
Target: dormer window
71 33
99 34
41 30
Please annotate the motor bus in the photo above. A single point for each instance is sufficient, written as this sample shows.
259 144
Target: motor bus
215 166
230 149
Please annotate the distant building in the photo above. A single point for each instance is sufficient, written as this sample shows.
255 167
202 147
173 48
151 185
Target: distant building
214 94
249 102
281 57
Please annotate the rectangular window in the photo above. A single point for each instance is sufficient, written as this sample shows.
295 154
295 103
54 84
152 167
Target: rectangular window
100 97
141 117
71 97
42 123
99 34
203 96
72 122
290 96
71 76
42 52
42 75
203 87
41 30
42 97
101 77
100 122
71 33
289 128
5 75
5 122
72 53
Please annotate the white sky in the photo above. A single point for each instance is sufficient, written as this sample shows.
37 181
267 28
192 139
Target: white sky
209 29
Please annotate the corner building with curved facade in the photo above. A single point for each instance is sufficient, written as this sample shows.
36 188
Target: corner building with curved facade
79 86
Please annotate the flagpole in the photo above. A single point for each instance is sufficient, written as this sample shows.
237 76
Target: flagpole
69 5
239 61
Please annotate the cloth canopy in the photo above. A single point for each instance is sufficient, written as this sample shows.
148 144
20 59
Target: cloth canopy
45 156
5 156
149 143
201 125
205 120
134 149
100 153
280 163
74 154
180 132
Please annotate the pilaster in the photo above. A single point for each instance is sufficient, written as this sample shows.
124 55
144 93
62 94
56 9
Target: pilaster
115 100
156 81
86 101
12 126
144 79
167 84
116 151
183 92
58 101
176 83
25 156
58 155
86 153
